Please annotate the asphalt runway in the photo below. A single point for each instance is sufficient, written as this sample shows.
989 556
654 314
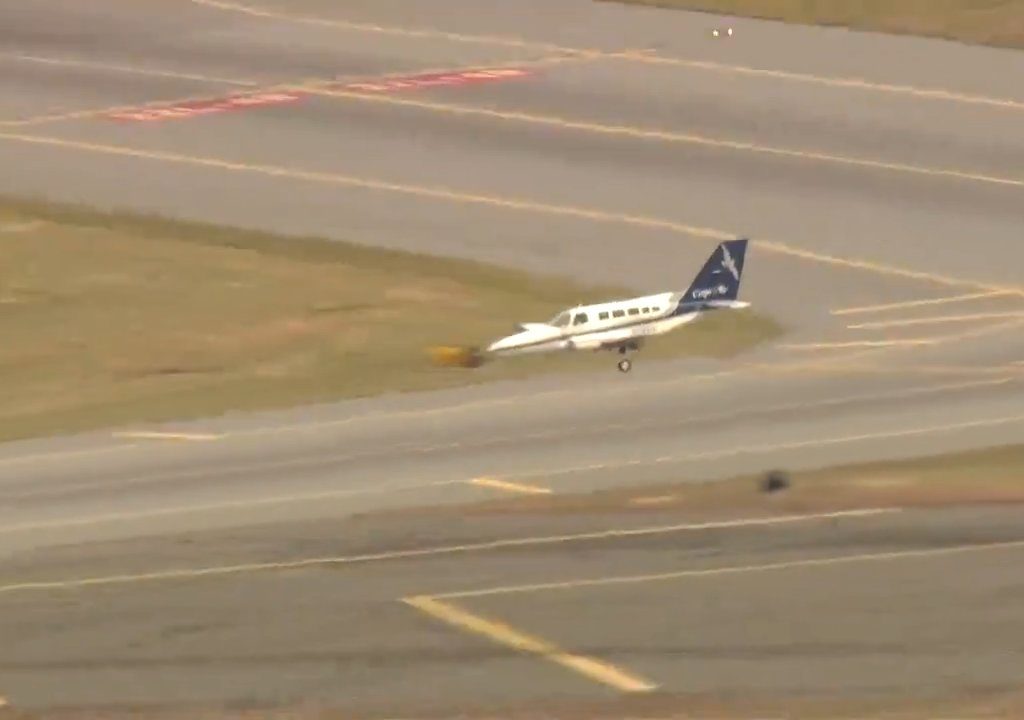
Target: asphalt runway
878 179
413 616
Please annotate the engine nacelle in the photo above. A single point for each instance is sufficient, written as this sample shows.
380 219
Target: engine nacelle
583 344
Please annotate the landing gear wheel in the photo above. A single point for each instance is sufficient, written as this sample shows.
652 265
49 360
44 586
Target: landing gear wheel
625 365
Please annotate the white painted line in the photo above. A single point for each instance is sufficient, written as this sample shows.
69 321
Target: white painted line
918 303
64 454
935 320
510 486
229 505
131 69
859 343
438 551
768 448
736 569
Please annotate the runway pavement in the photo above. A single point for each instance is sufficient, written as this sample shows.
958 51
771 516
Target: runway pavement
410 617
877 177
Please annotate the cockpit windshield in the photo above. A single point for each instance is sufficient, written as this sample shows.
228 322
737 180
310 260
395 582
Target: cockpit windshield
560 320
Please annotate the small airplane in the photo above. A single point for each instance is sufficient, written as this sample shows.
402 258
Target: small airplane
623 325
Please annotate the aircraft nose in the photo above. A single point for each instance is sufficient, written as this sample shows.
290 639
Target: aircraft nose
499 344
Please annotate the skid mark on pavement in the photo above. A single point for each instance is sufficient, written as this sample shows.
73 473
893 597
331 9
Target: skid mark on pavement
440 193
933 94
680 138
521 542
508 636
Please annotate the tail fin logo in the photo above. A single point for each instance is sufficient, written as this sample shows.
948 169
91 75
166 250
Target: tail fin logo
728 263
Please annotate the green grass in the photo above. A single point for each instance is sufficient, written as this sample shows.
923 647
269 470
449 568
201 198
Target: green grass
984 22
110 319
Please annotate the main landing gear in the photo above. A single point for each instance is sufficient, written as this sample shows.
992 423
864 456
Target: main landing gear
624 363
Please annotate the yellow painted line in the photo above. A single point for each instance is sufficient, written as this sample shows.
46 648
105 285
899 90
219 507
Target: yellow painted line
935 320
129 69
510 486
739 569
647 58
439 551
858 343
667 136
652 500
142 434
916 303
504 634
594 215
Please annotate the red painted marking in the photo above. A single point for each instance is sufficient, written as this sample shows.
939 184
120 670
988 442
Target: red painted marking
192 108
415 82
205 107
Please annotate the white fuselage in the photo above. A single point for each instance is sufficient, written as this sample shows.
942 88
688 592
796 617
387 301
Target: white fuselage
602 325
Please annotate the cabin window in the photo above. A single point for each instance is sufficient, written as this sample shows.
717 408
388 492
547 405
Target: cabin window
646 310
579 319
618 313
634 311
603 316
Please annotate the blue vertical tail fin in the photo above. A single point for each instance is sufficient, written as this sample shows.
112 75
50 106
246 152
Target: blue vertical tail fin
719 279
